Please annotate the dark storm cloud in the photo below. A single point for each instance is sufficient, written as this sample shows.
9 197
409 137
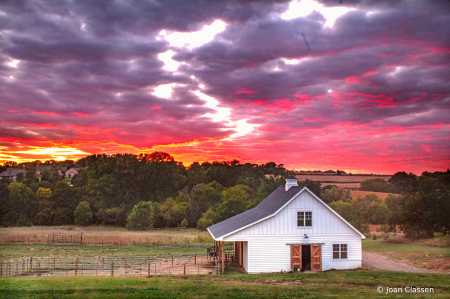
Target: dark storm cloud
88 70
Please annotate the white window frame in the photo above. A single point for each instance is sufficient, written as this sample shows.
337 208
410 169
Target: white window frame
304 219
340 251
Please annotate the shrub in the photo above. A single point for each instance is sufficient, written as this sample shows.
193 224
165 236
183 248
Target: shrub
142 217
83 214
113 216
374 236
184 223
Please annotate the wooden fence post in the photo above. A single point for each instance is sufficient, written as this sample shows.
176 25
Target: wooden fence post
39 268
195 258
148 266
184 269
172 260
112 268
76 267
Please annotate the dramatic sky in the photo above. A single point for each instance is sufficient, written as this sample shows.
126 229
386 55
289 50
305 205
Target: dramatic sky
362 86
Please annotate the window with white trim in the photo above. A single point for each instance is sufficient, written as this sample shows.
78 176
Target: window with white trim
304 219
339 251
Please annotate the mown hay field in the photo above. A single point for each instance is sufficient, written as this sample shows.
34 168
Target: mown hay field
344 181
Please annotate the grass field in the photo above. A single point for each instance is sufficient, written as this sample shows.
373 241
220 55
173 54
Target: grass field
104 234
335 284
17 251
413 253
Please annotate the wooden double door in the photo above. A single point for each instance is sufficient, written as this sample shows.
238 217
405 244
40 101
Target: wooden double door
306 257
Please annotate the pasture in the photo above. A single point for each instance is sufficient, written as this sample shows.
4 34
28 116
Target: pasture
106 235
344 181
336 284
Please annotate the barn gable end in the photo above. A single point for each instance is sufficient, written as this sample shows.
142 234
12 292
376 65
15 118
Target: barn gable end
324 221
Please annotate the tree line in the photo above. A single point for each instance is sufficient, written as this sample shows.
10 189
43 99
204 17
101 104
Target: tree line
126 189
420 206
154 191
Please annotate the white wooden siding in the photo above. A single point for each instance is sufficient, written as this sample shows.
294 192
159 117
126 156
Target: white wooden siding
271 253
285 222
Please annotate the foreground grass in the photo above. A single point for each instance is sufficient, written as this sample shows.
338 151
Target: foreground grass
414 253
19 251
336 284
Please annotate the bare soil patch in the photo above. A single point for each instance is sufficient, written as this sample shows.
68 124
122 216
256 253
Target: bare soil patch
371 260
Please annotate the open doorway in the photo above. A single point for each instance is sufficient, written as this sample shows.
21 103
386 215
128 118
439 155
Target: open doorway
306 257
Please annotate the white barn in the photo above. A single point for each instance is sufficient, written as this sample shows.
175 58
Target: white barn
291 228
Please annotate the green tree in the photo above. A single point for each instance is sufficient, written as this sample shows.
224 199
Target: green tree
335 193
174 210
63 216
403 182
314 186
44 193
184 223
267 186
44 217
196 175
83 214
203 196
375 185
235 200
208 218
20 177
142 216
22 202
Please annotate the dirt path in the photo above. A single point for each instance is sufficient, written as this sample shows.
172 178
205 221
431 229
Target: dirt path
372 260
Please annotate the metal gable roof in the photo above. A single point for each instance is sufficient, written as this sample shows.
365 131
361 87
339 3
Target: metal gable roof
267 207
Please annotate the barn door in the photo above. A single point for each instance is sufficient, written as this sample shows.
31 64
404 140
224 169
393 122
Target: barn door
316 257
296 256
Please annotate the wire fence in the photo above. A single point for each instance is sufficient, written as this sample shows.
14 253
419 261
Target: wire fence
80 239
112 266
65 239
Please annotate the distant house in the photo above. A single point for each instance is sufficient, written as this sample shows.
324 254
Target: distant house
72 171
10 174
42 167
291 229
